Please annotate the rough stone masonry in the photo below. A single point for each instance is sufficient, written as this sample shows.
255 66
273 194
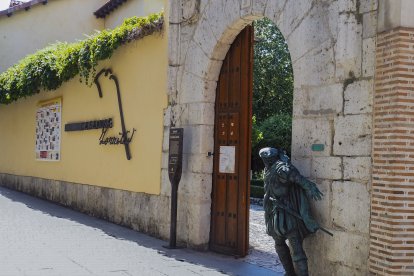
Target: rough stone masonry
332 46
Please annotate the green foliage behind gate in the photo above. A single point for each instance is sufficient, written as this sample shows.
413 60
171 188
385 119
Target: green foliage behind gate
272 91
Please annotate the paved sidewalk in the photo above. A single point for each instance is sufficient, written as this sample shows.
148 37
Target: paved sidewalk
40 238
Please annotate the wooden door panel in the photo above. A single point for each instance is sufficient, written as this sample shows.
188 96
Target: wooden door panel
222 130
220 211
246 90
232 190
222 92
230 193
234 68
233 132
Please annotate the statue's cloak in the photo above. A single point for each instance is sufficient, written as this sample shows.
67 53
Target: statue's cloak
281 191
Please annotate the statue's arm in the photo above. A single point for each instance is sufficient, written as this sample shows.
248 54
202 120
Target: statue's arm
267 205
309 186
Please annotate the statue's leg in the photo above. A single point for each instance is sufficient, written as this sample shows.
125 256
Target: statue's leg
299 256
284 255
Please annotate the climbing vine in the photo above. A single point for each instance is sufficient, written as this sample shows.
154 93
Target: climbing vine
48 68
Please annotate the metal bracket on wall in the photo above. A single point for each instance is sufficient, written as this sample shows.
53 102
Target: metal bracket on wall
121 112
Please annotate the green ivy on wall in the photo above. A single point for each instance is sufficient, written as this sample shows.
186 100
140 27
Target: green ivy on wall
48 68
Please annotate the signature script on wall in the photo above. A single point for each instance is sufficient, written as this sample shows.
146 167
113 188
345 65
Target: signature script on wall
124 137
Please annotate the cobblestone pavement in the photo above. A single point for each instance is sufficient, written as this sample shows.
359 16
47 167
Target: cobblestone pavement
262 250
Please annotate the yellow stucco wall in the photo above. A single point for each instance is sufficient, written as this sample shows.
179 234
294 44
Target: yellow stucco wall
60 20
141 68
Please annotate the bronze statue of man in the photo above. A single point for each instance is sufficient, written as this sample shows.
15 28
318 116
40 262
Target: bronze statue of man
287 210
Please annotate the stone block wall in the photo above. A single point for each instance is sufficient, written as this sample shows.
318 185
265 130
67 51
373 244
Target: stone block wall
137 211
392 215
332 46
333 99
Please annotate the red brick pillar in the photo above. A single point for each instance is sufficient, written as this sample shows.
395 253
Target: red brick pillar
392 203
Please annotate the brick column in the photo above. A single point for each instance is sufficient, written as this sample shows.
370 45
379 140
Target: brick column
392 206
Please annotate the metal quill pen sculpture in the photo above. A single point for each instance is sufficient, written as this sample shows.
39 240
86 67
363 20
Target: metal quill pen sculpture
124 135
287 210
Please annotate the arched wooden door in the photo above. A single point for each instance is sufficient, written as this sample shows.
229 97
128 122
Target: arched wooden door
231 174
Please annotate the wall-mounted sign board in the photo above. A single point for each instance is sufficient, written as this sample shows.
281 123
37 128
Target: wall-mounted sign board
95 124
175 161
122 138
175 155
48 130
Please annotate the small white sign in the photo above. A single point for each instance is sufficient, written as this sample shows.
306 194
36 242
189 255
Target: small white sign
227 162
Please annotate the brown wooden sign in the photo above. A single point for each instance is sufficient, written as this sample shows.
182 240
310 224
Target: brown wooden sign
175 161
175 155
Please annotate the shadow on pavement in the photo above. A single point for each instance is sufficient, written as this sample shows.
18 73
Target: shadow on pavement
225 264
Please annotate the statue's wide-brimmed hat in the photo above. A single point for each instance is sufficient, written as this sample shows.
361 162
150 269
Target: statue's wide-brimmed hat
266 153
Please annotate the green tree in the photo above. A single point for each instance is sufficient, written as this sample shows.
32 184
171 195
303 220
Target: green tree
272 73
275 131
272 91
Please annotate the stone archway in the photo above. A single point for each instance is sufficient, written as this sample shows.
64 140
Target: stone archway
332 107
